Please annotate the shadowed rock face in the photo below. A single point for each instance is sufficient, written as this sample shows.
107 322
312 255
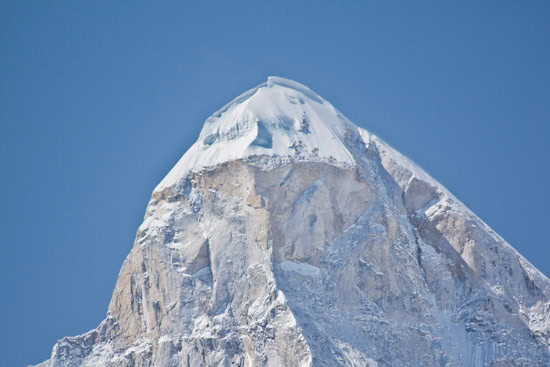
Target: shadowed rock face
270 261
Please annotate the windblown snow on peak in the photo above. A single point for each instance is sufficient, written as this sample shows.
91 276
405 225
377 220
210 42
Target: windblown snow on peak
279 118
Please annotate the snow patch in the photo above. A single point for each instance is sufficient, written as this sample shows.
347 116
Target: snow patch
300 268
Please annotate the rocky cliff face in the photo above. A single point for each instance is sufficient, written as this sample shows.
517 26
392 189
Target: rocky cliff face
287 236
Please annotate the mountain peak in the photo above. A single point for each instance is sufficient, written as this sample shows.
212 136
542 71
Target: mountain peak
277 261
279 118
291 84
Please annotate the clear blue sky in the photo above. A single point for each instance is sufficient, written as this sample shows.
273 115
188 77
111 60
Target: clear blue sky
99 99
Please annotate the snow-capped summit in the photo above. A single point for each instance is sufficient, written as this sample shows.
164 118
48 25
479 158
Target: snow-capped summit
287 236
280 118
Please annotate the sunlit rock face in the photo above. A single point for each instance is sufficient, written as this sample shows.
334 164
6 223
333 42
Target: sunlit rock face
287 236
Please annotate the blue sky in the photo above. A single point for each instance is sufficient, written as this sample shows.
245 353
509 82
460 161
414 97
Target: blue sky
98 99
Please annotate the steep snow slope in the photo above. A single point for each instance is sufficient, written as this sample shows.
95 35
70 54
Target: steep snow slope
280 118
287 236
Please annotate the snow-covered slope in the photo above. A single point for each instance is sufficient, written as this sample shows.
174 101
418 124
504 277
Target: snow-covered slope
288 236
280 118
